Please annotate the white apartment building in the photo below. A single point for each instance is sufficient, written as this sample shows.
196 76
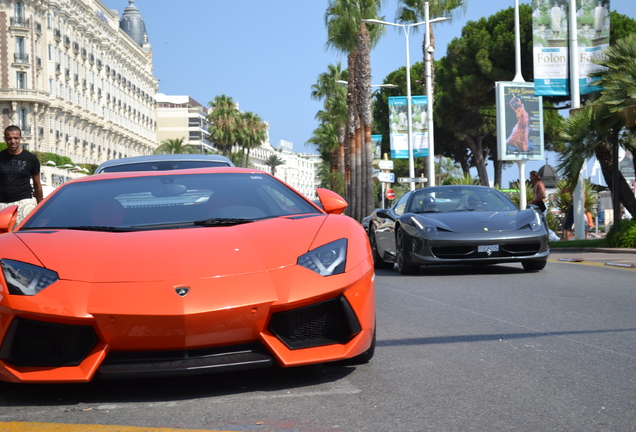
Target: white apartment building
299 170
77 79
183 117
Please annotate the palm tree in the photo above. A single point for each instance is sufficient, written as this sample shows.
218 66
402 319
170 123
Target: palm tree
224 119
597 128
175 146
272 162
445 168
334 94
326 138
347 33
252 132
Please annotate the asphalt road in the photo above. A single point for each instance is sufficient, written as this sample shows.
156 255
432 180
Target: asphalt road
459 349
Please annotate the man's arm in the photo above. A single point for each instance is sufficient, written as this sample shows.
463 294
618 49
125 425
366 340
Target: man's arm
37 188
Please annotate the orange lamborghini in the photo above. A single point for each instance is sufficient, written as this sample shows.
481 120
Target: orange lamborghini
181 272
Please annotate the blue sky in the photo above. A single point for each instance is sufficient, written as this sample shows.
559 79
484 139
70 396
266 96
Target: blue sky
267 54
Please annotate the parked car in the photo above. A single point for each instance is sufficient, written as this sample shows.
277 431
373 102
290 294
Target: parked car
457 225
163 162
181 272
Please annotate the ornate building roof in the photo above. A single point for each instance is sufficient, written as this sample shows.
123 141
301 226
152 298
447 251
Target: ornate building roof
133 24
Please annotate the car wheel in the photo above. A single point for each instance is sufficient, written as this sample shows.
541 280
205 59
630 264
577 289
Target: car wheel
365 356
404 267
378 262
534 265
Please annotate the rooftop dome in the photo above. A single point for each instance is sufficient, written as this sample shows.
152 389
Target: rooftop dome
549 176
133 23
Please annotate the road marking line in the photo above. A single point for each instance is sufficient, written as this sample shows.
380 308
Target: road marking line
64 427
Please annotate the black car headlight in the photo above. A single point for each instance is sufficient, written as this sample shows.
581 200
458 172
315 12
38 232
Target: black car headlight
425 228
26 279
326 260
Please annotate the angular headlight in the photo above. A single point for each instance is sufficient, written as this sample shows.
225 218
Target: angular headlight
536 223
326 260
26 279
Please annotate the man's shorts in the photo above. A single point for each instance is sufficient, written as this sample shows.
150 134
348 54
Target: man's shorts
24 207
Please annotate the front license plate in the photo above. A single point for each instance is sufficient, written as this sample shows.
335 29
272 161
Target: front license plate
488 249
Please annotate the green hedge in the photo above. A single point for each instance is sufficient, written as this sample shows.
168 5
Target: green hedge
625 237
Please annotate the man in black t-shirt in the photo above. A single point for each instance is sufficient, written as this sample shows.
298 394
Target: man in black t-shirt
18 168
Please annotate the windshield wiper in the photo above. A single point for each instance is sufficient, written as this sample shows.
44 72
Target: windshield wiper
222 222
96 228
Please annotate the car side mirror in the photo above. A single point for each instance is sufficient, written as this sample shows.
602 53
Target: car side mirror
383 213
332 203
8 217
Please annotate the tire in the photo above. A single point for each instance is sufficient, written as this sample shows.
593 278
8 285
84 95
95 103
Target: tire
404 267
365 356
378 262
534 265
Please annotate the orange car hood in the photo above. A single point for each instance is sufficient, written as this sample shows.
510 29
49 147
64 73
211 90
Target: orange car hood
158 255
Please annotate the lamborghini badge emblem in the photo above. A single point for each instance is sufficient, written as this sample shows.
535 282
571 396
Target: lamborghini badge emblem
182 291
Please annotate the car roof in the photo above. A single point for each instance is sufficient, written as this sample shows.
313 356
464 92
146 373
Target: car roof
161 158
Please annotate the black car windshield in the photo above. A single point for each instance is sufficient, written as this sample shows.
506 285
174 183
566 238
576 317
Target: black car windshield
458 198
162 201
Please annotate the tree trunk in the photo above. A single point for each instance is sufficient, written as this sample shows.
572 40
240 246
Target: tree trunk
627 198
476 149
498 171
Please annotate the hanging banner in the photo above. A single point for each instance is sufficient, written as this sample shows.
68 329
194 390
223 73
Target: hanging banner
551 38
519 122
593 26
398 119
376 146
550 47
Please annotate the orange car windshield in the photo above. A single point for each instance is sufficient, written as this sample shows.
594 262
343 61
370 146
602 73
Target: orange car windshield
166 200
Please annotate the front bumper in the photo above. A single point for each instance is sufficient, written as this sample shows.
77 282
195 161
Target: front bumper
295 317
448 249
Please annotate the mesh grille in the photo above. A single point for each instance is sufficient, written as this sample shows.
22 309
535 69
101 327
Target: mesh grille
328 322
39 343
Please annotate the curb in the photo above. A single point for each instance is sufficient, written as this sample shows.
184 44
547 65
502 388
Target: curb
594 249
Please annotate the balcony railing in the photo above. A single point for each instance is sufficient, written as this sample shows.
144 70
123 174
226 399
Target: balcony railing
20 22
21 58
67 41
57 34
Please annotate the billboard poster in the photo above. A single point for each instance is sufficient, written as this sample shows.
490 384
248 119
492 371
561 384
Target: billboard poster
519 122
551 38
398 119
376 146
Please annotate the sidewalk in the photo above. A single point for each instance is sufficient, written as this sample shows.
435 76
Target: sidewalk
616 257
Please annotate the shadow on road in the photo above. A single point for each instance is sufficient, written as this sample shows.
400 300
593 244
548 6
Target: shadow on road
170 389
488 337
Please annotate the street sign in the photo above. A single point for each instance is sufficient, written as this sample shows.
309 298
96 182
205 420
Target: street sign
412 179
385 164
390 194
386 177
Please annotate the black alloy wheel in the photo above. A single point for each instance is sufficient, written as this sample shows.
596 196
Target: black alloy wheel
404 267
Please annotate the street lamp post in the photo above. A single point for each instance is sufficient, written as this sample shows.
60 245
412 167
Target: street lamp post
407 29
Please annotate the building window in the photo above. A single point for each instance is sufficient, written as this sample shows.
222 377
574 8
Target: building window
49 23
20 51
23 123
21 80
18 10
50 52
